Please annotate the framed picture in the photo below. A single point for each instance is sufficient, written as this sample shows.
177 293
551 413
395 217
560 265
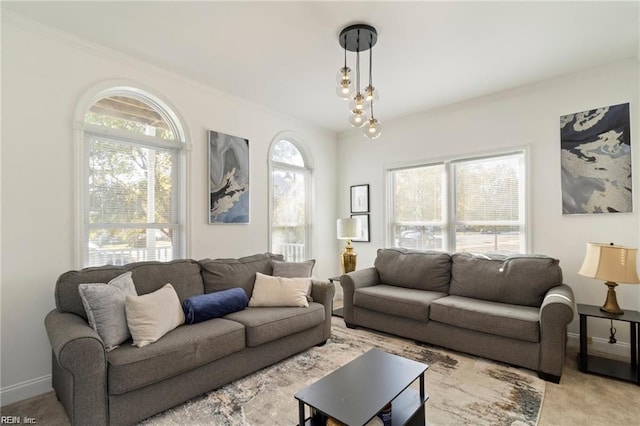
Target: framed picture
364 227
228 178
595 148
360 198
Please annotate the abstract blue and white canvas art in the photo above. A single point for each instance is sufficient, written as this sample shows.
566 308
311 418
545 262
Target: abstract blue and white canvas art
596 161
228 178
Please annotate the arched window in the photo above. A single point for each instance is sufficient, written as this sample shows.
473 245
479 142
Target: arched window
290 177
133 179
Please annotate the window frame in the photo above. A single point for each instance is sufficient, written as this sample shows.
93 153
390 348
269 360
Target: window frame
449 213
307 170
84 130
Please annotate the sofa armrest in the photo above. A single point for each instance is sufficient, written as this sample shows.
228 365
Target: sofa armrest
556 312
323 292
353 280
79 372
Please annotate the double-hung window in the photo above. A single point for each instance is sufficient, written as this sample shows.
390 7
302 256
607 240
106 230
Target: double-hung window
133 180
465 204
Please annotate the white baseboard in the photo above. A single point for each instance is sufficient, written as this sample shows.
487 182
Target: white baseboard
25 390
598 344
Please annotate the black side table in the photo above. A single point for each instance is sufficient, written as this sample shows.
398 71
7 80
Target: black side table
336 312
604 366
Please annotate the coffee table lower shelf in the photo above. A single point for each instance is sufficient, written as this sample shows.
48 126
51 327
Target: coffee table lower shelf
406 409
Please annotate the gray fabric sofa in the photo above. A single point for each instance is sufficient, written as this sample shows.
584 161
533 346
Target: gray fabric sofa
513 309
128 384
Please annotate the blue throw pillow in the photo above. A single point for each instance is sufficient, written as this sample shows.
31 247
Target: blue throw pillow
214 305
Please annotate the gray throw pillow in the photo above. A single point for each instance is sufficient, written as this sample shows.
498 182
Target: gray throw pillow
293 269
105 308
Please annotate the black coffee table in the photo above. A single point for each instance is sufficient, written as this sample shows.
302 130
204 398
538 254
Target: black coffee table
356 392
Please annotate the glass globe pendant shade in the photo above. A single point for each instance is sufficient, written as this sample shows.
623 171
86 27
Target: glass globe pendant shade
372 129
357 118
358 103
371 94
345 90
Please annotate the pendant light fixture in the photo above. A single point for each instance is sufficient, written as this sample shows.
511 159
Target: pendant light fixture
345 88
359 38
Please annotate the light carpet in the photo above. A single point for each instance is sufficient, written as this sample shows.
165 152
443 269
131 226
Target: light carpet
463 390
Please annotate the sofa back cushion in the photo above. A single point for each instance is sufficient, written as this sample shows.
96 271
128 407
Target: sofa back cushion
424 270
183 275
517 279
223 274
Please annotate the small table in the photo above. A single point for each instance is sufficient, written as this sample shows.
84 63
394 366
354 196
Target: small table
604 366
336 312
355 393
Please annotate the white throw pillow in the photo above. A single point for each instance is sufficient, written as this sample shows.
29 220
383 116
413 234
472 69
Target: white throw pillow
279 291
153 315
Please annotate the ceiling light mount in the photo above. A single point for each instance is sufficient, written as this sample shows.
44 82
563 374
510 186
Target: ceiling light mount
359 38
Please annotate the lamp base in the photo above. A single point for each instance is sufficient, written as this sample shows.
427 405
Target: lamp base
348 259
611 304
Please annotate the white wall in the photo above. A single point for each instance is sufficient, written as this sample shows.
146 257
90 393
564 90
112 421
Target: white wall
44 76
525 116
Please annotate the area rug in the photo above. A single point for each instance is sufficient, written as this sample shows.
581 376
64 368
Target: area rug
463 390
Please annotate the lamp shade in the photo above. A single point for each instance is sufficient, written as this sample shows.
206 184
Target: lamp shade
610 263
348 228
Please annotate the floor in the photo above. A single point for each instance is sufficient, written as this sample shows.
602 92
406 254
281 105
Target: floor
586 399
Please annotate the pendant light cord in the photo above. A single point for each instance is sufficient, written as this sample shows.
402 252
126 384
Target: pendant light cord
370 59
345 51
370 68
358 63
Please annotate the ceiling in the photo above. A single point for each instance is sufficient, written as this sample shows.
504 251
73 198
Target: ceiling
285 55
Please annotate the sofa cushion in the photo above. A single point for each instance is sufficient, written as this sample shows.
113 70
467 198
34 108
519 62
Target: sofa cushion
180 350
223 274
267 324
424 270
516 279
153 315
398 301
280 291
183 274
514 321
104 305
